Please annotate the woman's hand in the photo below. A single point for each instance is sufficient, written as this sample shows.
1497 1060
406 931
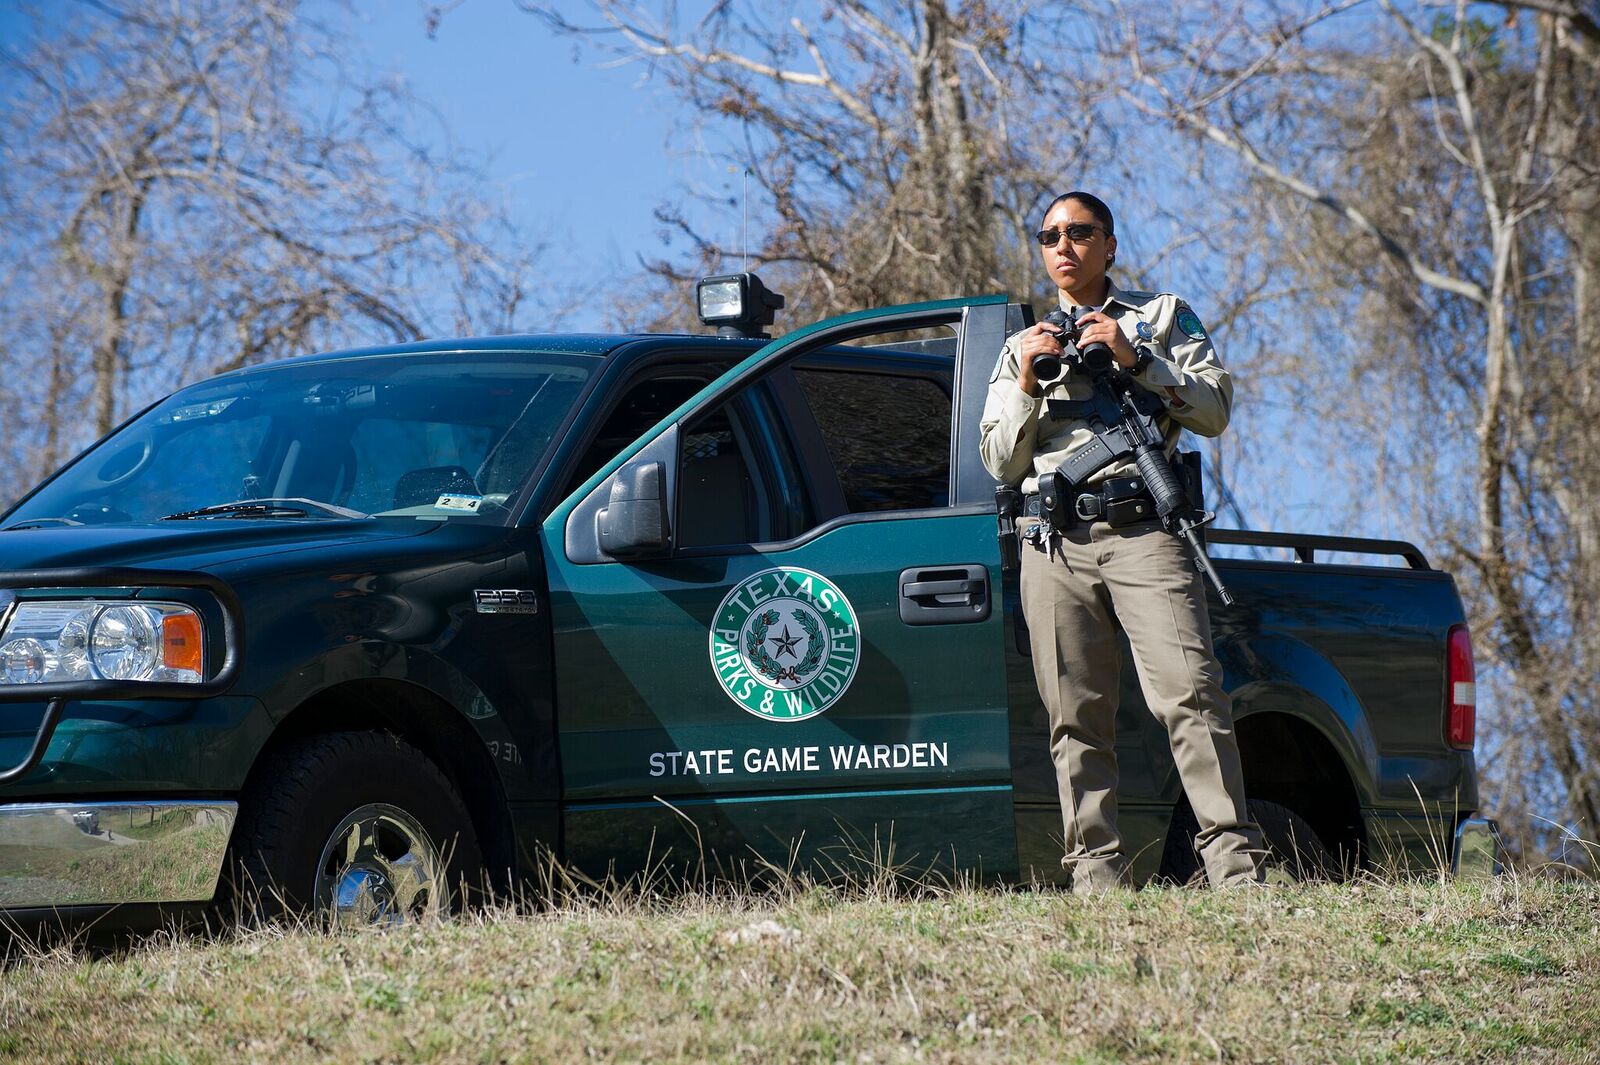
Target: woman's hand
1095 326
1042 339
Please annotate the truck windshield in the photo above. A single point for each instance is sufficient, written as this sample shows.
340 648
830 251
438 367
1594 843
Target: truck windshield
443 437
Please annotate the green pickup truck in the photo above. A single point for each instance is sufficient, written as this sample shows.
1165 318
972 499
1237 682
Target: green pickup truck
357 627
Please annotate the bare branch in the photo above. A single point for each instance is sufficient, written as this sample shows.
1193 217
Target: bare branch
1238 145
1578 20
1450 59
1281 37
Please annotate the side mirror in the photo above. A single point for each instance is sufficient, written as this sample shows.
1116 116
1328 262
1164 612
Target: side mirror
634 520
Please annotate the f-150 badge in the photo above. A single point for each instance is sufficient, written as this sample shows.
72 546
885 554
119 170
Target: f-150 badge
505 601
785 644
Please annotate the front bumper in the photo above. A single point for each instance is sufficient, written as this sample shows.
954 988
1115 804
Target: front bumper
1477 852
98 853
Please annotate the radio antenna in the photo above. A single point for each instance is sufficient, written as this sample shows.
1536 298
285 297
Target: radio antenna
747 218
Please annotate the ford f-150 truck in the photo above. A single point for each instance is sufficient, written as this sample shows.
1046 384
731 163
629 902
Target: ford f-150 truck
357 627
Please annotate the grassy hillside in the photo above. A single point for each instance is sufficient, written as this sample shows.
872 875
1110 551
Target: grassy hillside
1372 972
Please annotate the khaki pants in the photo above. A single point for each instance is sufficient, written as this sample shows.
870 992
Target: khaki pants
1076 590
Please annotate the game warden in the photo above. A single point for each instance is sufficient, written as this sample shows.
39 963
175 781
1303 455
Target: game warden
1081 582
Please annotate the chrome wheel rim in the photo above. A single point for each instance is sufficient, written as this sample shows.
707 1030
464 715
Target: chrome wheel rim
379 868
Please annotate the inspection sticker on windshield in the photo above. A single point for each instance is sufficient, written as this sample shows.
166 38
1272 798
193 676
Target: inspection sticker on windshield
785 643
470 504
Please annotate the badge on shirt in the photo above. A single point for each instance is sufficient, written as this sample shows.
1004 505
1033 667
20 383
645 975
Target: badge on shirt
1189 322
1146 331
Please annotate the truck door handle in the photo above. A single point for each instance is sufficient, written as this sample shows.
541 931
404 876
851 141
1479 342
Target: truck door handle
930 589
944 595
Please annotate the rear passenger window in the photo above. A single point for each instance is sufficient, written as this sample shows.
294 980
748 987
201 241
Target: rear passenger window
888 436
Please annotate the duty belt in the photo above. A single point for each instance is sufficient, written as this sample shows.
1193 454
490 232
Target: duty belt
1117 501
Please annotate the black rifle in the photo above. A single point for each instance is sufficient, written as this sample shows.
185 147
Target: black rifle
1122 417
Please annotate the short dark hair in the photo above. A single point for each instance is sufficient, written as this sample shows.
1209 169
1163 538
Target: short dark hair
1096 205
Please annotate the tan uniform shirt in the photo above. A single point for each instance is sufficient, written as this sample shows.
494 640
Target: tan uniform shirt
1020 442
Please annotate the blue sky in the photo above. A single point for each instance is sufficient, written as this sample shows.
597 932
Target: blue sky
582 152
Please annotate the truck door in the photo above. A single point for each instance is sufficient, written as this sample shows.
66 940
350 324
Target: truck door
775 624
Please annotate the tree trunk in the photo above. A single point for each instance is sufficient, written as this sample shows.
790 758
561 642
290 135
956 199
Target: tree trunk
55 397
1526 658
109 354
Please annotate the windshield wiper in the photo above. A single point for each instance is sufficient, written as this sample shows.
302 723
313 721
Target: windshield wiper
295 507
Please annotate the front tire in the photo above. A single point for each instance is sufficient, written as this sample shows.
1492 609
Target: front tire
358 828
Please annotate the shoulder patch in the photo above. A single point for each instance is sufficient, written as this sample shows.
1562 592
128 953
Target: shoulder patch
1189 322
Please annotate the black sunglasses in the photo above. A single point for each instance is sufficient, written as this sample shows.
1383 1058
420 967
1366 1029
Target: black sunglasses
1077 232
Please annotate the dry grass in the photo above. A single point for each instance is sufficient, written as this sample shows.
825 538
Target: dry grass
1372 972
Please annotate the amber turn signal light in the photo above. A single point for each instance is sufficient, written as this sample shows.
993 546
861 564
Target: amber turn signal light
181 644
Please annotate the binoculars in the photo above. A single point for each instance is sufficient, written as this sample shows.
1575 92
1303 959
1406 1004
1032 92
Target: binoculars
1094 359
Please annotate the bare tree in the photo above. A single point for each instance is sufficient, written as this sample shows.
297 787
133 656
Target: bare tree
189 186
1432 173
883 138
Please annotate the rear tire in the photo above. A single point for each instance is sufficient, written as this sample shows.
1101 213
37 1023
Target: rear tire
1293 846
354 827
1294 849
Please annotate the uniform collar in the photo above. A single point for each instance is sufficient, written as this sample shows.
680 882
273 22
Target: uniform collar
1117 295
1113 295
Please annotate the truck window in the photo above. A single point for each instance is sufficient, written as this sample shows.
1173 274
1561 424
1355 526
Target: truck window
887 434
719 498
739 482
389 453
439 437
644 404
173 478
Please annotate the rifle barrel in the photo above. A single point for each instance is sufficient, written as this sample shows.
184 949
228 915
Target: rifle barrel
1203 562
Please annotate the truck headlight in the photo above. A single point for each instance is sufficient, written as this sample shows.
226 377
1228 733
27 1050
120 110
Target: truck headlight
50 641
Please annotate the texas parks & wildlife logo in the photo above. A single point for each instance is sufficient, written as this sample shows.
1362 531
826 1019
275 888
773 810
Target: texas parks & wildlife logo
785 644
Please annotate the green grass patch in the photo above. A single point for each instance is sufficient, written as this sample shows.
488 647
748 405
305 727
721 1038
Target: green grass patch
1531 963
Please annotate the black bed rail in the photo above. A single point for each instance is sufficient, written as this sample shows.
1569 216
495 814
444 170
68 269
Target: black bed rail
1305 546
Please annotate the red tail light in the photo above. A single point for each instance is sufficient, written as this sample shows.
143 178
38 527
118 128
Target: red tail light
1461 726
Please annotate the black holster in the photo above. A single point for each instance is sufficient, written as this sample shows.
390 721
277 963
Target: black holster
1056 491
1007 507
